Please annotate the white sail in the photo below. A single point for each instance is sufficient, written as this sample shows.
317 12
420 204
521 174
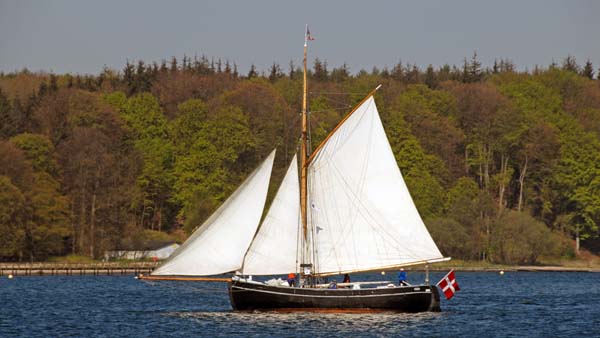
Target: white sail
359 206
219 245
274 248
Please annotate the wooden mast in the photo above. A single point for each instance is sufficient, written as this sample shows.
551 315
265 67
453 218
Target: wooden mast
304 151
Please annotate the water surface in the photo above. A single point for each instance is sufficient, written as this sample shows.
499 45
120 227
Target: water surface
518 304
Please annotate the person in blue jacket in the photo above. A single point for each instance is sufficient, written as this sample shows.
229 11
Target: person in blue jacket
402 277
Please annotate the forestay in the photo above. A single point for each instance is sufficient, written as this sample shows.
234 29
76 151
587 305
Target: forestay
219 245
274 248
360 209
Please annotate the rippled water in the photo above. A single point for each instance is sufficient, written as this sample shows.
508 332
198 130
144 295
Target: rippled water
518 304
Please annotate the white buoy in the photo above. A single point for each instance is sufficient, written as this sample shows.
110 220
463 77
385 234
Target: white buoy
10 276
501 272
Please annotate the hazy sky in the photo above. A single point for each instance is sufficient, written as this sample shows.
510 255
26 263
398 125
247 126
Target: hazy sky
83 36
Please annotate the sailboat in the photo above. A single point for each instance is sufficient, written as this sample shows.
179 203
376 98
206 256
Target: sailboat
344 209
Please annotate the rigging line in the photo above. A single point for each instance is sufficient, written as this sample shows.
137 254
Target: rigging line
338 101
331 109
340 93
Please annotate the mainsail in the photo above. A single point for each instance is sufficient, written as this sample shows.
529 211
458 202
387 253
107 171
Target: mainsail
275 247
219 245
361 212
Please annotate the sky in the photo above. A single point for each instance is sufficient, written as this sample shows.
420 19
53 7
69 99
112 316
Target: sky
83 36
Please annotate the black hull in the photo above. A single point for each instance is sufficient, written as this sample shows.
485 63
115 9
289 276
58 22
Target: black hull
251 296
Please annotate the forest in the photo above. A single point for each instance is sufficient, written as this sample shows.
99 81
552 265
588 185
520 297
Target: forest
503 164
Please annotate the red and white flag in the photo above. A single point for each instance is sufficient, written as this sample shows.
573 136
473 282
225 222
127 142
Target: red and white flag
449 285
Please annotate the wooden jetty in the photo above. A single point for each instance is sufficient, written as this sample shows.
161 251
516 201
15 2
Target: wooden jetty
76 269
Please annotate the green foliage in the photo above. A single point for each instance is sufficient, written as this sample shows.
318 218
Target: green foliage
39 150
209 153
418 168
49 224
520 239
461 195
577 177
12 204
451 237
430 115
96 162
150 132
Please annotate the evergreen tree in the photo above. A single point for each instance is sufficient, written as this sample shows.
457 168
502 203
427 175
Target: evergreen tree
444 73
506 66
235 71
227 67
385 73
142 80
430 78
163 66
588 70
173 65
53 83
320 70
292 70
398 72
7 126
252 72
475 73
466 75
341 74
570 64
414 75
128 75
275 72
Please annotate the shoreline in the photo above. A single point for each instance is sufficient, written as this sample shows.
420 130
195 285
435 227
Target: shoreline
136 268
76 269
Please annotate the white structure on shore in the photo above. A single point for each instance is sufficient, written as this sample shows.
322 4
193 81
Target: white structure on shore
157 252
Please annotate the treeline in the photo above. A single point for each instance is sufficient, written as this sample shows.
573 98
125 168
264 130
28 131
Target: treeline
503 165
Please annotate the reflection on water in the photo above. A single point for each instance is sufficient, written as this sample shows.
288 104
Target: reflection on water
353 324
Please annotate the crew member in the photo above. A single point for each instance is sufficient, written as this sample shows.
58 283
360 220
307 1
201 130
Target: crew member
402 277
291 279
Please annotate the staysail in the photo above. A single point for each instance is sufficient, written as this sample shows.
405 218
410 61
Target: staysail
219 245
361 211
274 249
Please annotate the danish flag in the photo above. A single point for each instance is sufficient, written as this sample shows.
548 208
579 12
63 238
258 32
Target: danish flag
449 285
